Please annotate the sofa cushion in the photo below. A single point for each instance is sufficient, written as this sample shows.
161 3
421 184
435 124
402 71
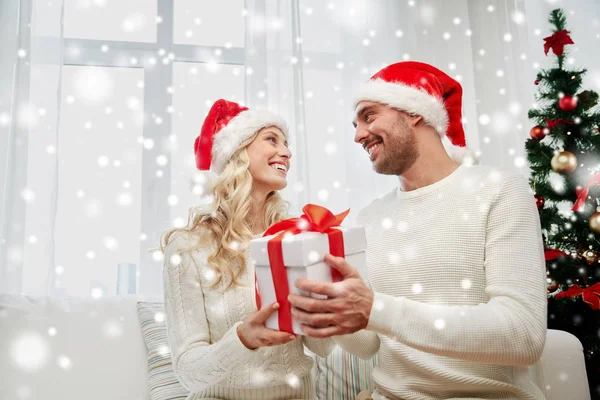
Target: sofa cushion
342 375
163 385
71 348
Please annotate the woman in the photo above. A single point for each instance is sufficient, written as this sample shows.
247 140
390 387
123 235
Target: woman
221 348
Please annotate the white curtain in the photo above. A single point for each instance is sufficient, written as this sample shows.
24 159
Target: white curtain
303 59
30 73
307 56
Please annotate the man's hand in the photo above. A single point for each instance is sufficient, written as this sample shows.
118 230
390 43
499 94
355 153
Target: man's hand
346 310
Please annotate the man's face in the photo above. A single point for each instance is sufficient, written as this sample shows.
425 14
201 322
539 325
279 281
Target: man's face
387 136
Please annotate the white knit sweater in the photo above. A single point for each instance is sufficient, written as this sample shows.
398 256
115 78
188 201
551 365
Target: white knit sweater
208 357
458 272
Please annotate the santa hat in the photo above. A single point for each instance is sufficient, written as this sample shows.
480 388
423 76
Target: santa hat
421 89
225 128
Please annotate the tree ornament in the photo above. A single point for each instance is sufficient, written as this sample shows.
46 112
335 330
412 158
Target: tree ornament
539 202
564 162
557 42
551 123
538 132
588 99
595 222
590 256
582 192
567 103
590 295
536 82
552 285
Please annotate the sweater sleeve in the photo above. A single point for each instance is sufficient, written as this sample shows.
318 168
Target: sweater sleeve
364 344
321 347
510 329
198 363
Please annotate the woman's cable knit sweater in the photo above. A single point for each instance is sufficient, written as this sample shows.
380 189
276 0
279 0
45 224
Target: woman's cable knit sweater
208 357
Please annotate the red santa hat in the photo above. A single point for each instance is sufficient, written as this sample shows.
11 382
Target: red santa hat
421 89
225 128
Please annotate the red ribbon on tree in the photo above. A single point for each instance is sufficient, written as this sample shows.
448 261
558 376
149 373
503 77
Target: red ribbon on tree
314 219
551 123
557 42
583 194
590 295
551 254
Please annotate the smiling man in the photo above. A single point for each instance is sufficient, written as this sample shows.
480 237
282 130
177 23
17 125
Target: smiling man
455 304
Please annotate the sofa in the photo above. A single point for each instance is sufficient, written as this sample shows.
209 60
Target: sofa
114 348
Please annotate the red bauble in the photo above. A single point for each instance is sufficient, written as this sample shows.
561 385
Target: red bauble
538 132
539 201
567 103
536 82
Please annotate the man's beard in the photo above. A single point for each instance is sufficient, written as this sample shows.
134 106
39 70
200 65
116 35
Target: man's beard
400 150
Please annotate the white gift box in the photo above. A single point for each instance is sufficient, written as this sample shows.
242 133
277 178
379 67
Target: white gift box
303 256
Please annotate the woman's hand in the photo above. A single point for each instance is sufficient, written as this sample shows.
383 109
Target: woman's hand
253 333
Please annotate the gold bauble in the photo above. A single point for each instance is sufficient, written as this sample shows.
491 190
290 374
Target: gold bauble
595 222
590 256
564 162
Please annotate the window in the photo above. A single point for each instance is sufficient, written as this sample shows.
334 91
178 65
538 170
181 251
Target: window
137 81
128 21
100 170
209 23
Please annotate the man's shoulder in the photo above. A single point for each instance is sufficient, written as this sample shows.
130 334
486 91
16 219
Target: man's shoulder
494 177
500 185
377 203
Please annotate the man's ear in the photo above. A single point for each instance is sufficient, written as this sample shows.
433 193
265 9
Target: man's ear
414 119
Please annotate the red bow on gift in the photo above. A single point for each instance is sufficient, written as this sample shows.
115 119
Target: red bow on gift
314 219
553 122
580 203
590 294
557 42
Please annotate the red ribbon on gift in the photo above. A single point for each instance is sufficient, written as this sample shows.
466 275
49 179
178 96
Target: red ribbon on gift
590 295
315 219
557 42
583 194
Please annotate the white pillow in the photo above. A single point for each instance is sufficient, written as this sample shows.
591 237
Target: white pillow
341 375
163 384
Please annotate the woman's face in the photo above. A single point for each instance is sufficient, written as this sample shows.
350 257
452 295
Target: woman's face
269 160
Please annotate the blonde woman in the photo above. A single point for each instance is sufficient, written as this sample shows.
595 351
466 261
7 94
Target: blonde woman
221 348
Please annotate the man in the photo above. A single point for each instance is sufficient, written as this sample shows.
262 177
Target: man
456 301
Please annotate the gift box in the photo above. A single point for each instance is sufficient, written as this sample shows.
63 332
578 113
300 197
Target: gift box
297 250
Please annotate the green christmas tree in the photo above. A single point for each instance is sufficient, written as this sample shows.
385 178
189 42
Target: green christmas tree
564 156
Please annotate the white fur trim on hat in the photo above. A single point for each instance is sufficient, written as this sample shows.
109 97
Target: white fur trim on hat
240 128
406 98
463 155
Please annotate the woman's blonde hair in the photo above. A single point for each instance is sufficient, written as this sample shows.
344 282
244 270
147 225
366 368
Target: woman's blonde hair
225 222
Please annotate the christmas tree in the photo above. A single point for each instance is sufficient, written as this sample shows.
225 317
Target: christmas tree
564 156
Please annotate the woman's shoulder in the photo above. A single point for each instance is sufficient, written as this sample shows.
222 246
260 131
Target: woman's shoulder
190 242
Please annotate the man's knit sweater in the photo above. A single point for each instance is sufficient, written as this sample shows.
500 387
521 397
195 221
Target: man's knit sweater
208 357
458 272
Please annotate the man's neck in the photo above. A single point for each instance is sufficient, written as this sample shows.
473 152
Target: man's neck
424 173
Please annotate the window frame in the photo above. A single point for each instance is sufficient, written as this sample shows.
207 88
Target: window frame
158 79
